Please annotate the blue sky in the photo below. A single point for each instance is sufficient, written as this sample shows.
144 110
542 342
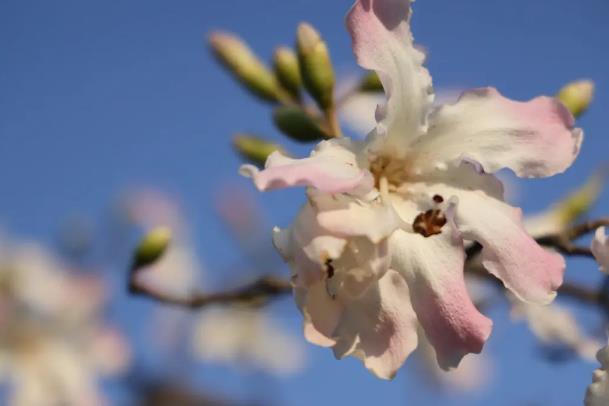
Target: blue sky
98 97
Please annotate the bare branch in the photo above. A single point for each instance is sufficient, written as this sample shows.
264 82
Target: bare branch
268 287
258 291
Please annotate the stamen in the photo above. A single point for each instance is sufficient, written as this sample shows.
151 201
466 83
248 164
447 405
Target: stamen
384 188
429 223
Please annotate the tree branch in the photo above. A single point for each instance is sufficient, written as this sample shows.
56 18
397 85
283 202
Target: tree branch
268 287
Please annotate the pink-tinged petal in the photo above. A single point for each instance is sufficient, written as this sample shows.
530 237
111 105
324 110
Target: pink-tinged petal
433 269
380 327
534 138
382 41
532 273
600 249
333 167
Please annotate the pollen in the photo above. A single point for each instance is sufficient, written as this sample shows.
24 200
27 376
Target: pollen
429 223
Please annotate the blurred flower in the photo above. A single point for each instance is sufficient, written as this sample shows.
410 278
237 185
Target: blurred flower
554 325
597 393
600 249
54 346
563 213
378 248
232 335
235 335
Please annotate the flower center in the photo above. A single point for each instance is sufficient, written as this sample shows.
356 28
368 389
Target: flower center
389 173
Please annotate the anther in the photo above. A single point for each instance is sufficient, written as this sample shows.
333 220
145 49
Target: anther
429 223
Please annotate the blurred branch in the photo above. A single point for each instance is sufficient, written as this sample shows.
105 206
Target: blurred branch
269 287
260 290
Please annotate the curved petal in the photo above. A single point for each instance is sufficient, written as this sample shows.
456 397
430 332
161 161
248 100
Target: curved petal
433 269
382 41
532 273
333 167
600 249
534 138
380 327
597 393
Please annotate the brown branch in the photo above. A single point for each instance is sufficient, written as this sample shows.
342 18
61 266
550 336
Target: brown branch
258 291
268 287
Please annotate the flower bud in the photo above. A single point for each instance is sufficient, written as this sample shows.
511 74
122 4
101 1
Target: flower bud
152 247
236 56
315 66
371 83
580 201
298 125
577 96
254 149
287 70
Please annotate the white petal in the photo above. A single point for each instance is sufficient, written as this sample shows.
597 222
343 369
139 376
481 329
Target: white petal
380 327
600 249
534 138
382 41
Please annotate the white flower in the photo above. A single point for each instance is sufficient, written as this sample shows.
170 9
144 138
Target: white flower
54 347
236 335
600 249
598 392
378 247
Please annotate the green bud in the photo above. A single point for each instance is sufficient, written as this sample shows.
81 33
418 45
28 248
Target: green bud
579 202
286 67
236 56
298 125
254 149
152 247
577 96
371 83
315 66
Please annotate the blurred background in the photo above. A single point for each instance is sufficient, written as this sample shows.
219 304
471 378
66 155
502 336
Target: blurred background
115 117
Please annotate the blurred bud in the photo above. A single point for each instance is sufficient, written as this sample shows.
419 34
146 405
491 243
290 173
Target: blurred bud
563 213
236 56
371 83
315 66
580 201
254 149
297 124
152 247
287 70
577 96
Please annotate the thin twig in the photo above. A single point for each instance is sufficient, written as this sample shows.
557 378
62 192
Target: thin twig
262 289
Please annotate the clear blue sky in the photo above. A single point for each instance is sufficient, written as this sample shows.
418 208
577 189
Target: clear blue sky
99 96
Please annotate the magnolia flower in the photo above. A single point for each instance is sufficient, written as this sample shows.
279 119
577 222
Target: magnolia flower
379 244
600 249
598 392
54 347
